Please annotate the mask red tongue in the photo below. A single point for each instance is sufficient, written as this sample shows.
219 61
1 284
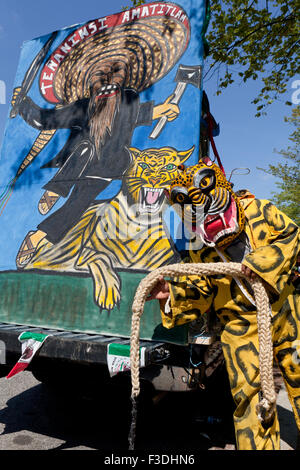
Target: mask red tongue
213 226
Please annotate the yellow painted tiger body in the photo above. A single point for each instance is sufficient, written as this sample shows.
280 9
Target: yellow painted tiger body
126 232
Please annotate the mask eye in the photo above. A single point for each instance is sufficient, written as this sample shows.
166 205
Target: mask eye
180 196
205 180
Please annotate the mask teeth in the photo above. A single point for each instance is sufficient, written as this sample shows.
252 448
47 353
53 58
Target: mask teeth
223 219
221 234
202 235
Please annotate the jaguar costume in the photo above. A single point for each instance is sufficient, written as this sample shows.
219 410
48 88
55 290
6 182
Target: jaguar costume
238 227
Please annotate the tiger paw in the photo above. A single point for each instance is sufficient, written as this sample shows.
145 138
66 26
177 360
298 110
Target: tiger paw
107 286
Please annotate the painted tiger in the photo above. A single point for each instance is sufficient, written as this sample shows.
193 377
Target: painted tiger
126 232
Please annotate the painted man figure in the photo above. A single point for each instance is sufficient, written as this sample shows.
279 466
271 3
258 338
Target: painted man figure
237 227
96 86
96 151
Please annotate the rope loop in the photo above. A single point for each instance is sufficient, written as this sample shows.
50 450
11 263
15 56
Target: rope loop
266 406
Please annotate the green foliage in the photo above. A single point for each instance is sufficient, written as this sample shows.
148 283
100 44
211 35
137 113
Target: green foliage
255 39
135 3
251 39
288 197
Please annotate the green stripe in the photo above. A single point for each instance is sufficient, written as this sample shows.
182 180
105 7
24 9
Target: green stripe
36 336
119 349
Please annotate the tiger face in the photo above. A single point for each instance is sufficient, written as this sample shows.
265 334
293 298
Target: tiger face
207 204
151 173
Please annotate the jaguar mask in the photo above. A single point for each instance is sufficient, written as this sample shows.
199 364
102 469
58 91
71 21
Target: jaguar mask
207 204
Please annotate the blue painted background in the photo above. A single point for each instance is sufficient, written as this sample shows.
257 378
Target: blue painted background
21 214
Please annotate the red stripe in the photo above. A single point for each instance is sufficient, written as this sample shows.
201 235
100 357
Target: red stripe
210 135
19 367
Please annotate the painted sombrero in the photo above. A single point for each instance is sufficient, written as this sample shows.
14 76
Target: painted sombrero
150 39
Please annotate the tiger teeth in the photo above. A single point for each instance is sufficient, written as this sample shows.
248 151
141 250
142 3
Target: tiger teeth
158 190
146 208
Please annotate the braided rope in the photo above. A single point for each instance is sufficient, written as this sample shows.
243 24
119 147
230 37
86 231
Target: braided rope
267 403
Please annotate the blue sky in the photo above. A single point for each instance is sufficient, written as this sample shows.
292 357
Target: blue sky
244 141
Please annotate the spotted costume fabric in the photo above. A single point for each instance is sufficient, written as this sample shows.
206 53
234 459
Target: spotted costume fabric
268 245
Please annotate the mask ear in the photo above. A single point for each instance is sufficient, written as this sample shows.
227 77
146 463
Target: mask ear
134 153
207 161
185 155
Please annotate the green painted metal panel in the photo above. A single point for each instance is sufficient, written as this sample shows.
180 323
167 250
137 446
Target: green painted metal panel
66 302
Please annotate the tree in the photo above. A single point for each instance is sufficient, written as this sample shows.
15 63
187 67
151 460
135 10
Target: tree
135 3
251 39
255 39
288 198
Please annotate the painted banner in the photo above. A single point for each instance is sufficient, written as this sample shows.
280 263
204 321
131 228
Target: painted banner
102 116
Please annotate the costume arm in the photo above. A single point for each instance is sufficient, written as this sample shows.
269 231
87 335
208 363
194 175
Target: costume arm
274 260
55 118
190 297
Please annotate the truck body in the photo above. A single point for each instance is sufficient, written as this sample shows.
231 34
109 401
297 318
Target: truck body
78 287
